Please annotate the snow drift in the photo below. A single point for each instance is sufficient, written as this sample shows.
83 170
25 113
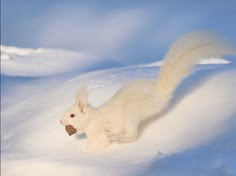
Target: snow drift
34 143
31 62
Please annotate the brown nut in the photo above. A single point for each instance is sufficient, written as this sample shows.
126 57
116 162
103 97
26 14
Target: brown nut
70 130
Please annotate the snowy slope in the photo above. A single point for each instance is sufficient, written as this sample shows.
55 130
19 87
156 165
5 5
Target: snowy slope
203 61
198 126
30 62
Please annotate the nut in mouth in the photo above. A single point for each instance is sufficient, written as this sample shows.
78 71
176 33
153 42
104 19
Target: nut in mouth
70 130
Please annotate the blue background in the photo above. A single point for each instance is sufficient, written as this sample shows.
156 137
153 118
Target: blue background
154 25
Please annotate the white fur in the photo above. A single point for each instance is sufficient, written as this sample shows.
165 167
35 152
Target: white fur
119 119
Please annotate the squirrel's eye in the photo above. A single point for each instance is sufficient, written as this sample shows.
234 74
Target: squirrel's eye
72 115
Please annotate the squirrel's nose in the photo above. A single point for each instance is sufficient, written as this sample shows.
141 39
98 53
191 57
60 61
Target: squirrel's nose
64 122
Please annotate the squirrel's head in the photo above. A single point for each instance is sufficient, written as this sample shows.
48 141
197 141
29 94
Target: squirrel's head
76 118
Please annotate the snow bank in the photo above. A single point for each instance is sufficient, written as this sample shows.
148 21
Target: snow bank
34 143
40 62
44 62
203 61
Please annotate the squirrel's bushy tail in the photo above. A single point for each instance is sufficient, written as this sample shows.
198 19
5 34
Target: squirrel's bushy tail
183 55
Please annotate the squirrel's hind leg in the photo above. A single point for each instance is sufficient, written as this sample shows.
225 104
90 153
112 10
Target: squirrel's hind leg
130 134
114 128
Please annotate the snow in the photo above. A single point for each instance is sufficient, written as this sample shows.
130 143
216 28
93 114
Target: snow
193 137
40 62
203 61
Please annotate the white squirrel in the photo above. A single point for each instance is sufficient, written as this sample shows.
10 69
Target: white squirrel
139 100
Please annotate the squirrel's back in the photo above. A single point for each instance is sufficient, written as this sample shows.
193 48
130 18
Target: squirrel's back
146 98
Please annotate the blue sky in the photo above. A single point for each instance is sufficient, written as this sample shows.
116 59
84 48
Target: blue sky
127 31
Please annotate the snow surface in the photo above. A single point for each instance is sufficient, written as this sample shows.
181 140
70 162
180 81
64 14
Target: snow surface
203 61
31 62
195 136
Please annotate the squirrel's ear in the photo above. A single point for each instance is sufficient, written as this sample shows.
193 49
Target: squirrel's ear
81 98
